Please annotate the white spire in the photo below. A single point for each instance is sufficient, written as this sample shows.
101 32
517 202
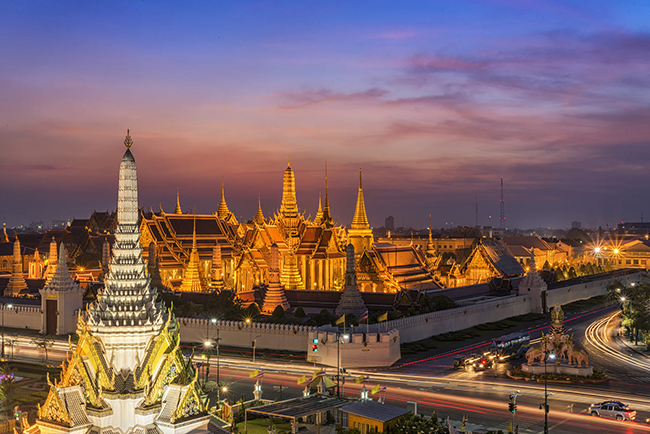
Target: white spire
127 307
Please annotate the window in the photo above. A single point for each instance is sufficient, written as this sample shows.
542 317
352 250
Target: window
4 264
636 262
628 261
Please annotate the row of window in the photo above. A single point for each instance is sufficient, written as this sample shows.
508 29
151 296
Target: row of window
365 428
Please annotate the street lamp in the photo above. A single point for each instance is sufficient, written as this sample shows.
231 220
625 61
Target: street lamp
255 342
4 307
214 321
547 355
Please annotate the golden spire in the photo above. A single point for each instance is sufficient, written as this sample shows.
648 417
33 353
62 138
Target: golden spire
128 142
178 203
259 217
222 210
327 217
319 214
289 206
193 279
360 220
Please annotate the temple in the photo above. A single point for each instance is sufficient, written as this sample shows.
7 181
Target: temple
127 373
311 253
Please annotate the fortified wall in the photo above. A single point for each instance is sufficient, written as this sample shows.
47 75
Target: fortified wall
423 326
377 345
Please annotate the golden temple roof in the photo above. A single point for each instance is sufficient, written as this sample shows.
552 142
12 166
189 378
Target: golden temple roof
360 220
289 206
193 279
178 204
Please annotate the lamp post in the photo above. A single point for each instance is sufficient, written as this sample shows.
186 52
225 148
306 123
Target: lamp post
4 307
214 321
254 345
547 355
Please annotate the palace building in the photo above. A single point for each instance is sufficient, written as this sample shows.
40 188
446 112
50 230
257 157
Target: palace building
311 252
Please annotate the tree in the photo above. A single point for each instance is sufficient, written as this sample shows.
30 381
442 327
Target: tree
8 390
278 312
416 424
546 266
252 311
44 342
299 312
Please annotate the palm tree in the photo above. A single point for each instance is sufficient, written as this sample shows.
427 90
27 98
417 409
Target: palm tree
8 389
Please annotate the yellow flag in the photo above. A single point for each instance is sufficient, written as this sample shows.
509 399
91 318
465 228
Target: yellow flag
359 379
375 389
254 373
340 320
383 317
302 379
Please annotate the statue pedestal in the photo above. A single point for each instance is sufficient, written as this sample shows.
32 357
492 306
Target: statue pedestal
554 368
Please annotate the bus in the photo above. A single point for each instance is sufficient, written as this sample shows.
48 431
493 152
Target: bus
511 346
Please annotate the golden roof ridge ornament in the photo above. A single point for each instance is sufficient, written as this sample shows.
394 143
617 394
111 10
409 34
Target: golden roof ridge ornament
128 142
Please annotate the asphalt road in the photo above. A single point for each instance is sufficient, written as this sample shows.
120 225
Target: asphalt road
481 396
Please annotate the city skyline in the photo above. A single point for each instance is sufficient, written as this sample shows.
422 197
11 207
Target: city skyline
435 103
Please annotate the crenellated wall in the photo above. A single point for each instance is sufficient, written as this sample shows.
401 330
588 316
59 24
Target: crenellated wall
21 317
423 326
241 334
355 349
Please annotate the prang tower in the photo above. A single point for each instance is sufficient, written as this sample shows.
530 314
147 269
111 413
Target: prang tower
127 373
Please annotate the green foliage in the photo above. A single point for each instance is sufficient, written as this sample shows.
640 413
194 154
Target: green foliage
322 318
278 312
411 424
299 312
252 311
8 390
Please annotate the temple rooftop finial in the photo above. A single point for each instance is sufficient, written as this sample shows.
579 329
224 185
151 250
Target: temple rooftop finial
128 142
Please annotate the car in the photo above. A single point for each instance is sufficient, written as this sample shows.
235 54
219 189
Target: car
613 409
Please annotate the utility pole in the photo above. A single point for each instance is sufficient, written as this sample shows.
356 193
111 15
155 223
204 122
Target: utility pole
502 214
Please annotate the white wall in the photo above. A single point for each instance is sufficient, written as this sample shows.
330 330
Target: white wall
423 326
359 350
22 317
241 334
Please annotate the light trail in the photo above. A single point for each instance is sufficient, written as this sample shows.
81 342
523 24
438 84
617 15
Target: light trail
596 334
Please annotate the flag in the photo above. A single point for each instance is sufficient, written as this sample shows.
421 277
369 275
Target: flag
320 373
452 430
302 379
362 379
340 320
382 389
383 317
256 374
364 316
464 421
375 389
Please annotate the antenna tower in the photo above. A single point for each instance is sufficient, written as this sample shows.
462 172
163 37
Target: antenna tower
502 215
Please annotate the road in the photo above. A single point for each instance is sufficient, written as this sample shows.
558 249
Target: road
479 395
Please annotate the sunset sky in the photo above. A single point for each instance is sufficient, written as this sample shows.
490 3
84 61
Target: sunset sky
434 101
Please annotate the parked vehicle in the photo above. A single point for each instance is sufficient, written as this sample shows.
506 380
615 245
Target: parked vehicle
613 409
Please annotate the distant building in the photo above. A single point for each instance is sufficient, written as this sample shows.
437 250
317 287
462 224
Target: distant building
371 416
390 222
576 225
633 228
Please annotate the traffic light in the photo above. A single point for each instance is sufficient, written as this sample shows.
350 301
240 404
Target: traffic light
253 344
314 347
512 407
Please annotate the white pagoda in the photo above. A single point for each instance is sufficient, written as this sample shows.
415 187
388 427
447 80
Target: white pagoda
127 373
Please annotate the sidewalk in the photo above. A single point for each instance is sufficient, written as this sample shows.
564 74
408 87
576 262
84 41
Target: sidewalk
639 349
